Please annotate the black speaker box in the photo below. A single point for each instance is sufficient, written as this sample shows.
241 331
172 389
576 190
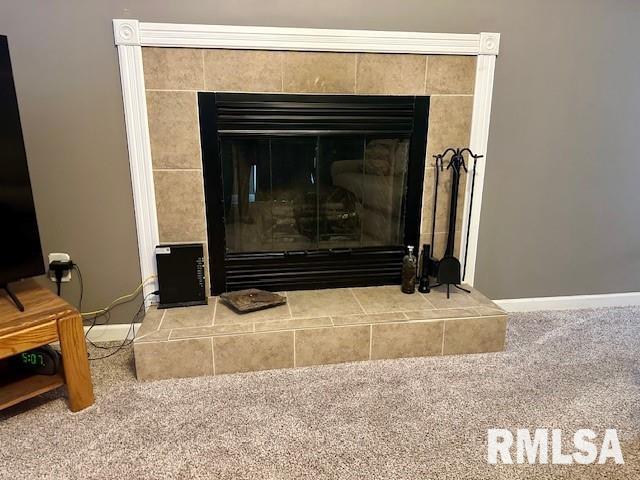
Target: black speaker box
181 275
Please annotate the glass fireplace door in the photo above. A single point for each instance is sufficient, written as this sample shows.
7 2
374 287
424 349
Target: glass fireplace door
310 191
313 192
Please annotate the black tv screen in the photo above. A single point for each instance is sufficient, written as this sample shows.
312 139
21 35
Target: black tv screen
20 251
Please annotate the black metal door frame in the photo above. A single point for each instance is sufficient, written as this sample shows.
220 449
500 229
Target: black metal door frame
313 268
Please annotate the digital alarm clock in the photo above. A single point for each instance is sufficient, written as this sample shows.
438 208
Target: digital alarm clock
39 361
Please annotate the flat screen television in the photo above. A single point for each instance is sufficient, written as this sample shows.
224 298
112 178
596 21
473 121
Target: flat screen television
20 251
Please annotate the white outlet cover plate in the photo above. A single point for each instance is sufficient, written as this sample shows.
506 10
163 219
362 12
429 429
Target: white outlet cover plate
61 257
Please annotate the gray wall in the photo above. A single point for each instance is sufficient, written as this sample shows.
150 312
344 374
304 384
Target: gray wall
560 207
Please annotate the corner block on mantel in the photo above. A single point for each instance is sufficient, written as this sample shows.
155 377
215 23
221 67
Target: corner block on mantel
126 31
489 43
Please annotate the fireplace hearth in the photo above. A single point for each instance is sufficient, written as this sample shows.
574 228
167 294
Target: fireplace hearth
311 191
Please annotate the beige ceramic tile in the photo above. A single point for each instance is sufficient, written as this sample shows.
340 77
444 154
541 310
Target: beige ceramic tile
451 74
226 315
155 336
449 124
318 303
389 299
172 68
185 317
414 339
319 72
425 237
399 74
483 299
257 351
195 332
174 129
322 346
487 310
151 322
243 70
183 358
440 243
457 298
475 335
295 324
441 314
368 318
180 205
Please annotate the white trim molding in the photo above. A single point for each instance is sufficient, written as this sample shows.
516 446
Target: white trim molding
116 332
132 32
136 122
569 302
482 96
130 36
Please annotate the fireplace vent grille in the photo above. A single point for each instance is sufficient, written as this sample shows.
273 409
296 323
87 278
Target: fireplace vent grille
242 114
314 269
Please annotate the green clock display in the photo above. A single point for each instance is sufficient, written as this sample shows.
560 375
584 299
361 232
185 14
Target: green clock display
39 361
33 359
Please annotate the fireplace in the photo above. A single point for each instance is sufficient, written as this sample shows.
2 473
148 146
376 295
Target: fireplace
311 191
181 130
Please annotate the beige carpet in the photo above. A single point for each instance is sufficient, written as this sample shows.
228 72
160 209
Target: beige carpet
405 419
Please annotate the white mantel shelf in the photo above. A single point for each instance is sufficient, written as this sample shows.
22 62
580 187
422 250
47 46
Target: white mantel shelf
131 35
133 32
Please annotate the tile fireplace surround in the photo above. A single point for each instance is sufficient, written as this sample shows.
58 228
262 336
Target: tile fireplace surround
159 90
164 66
316 327
174 76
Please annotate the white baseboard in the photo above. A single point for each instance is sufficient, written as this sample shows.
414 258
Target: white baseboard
117 332
569 302
112 333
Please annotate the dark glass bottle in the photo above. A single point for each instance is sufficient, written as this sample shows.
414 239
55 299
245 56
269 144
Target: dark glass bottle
409 271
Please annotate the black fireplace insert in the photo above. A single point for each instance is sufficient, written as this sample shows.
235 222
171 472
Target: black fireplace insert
311 191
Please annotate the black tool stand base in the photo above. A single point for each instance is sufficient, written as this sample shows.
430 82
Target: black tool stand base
449 285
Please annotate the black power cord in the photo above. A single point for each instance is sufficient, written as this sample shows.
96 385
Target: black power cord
77 269
126 342
59 268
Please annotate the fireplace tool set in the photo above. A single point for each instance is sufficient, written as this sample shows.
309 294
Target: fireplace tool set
448 270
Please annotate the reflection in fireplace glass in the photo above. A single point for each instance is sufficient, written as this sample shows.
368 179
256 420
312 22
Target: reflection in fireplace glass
285 193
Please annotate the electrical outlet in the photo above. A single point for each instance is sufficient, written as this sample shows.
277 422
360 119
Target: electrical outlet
62 257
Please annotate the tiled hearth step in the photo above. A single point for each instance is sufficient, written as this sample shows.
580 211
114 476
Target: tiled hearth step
316 327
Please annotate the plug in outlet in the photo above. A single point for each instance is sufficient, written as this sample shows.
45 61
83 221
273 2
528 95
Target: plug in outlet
61 257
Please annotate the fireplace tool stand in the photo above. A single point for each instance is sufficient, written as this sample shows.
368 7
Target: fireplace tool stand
447 270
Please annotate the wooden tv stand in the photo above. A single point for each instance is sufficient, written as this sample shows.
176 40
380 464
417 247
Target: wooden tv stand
47 318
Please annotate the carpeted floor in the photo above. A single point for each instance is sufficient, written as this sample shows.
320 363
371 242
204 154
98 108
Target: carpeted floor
404 419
